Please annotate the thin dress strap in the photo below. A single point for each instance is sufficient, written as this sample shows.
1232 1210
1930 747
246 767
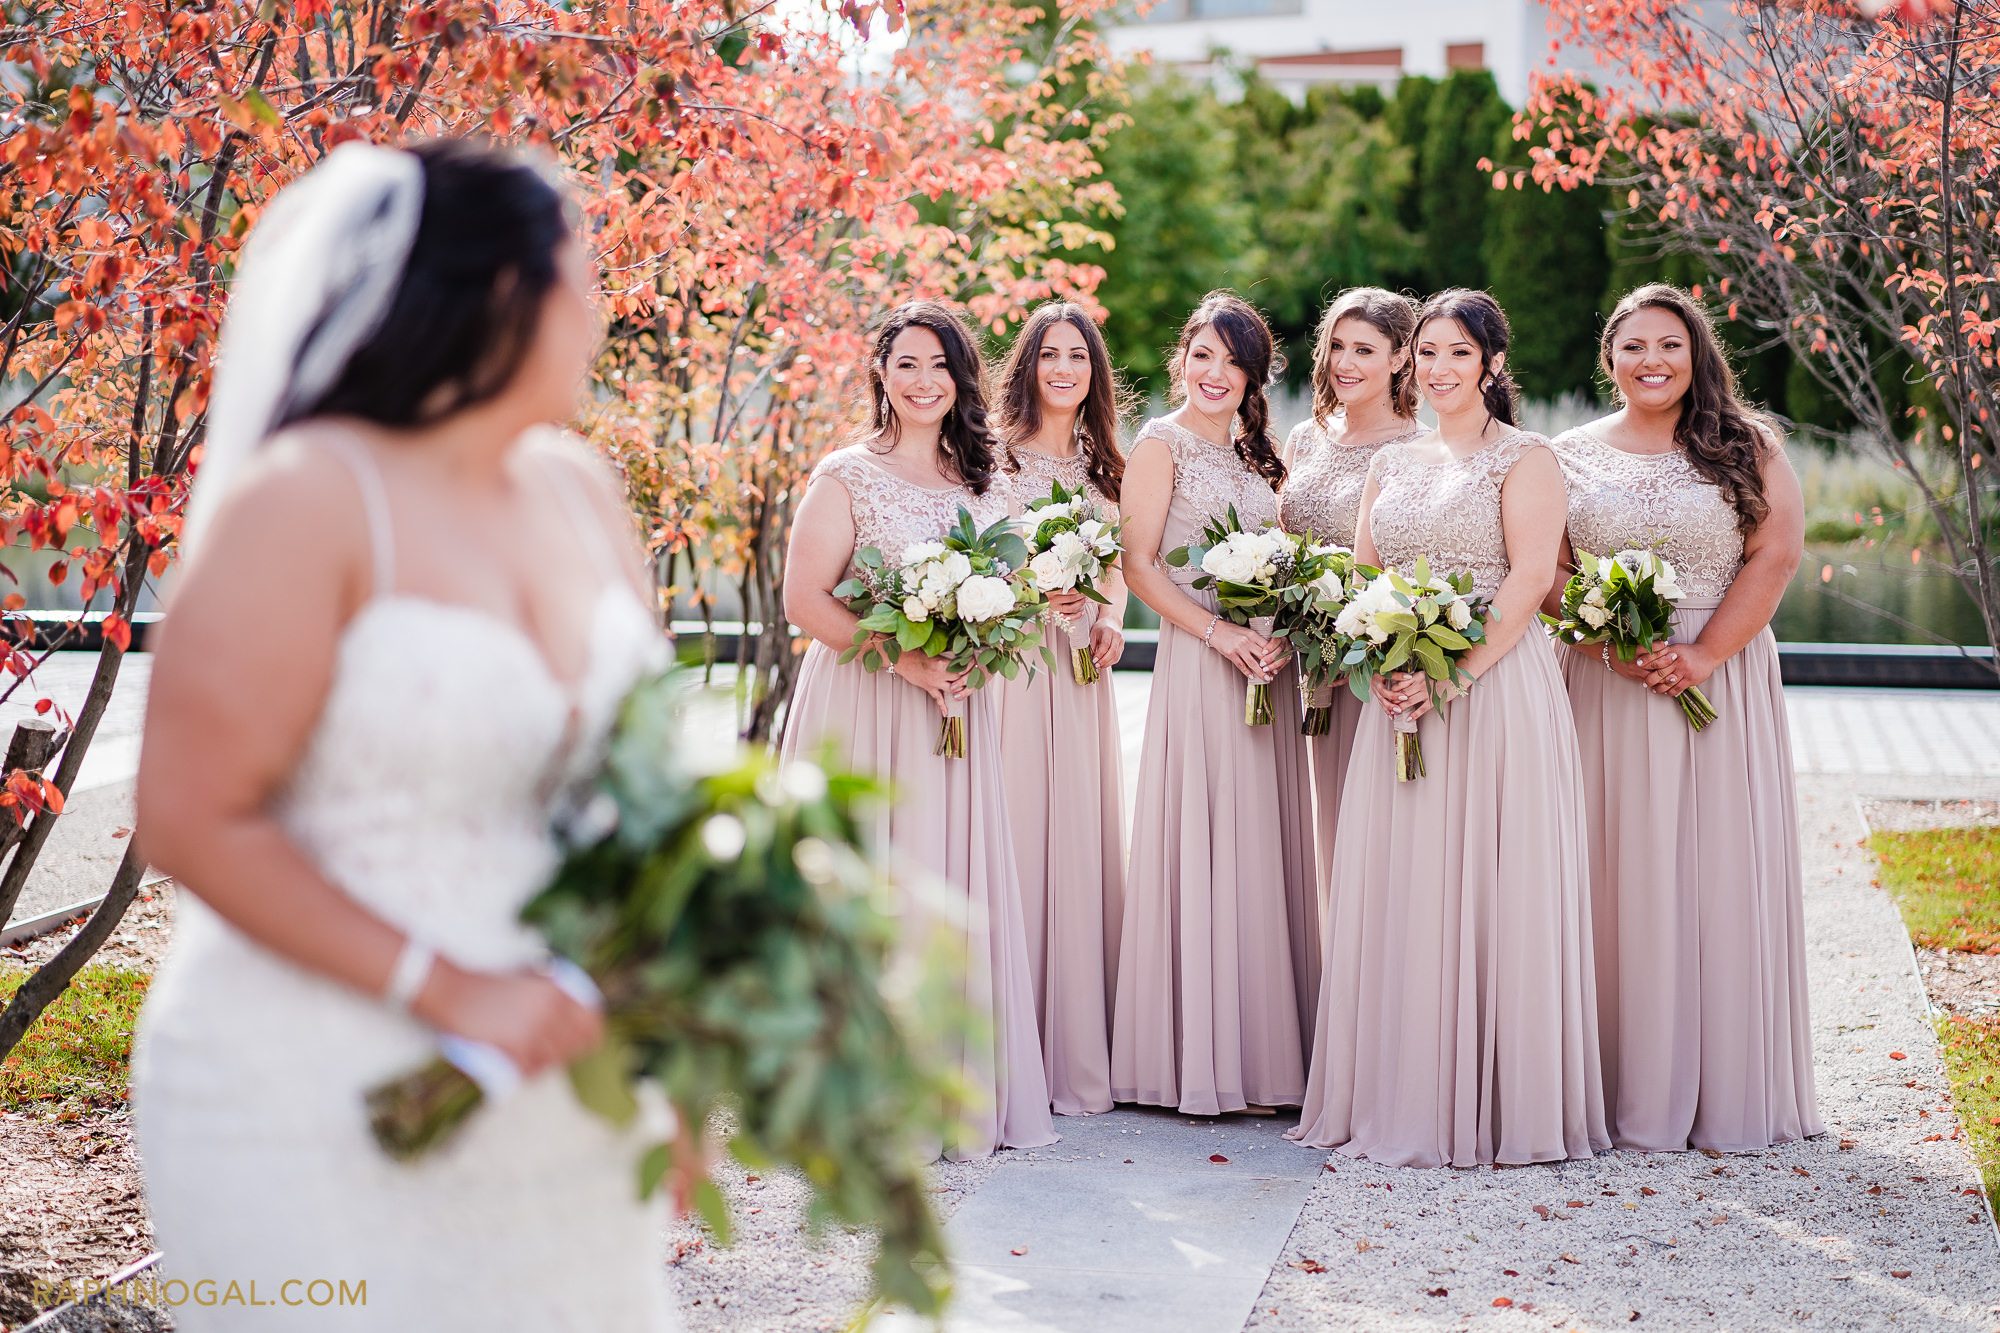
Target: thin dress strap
375 503
569 493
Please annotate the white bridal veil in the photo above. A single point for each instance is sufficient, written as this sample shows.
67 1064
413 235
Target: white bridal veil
316 278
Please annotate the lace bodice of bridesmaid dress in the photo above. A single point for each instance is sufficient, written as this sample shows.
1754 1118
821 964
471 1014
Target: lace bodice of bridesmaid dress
1447 512
1620 501
892 515
1322 495
1208 479
1036 472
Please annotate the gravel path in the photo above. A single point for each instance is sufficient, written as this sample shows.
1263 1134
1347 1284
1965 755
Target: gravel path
1879 1224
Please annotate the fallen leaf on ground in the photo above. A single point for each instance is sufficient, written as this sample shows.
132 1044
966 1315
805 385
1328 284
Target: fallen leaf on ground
1309 1265
1570 1259
1576 1203
1847 1145
1502 1300
1899 1272
1217 1157
1437 1291
1542 1211
1647 1190
1874 1189
1799 1170
1897 1055
1510 1272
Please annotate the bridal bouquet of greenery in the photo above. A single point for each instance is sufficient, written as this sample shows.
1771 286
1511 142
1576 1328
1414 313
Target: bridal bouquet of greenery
1071 546
1425 623
1328 576
1248 571
966 598
1626 600
741 941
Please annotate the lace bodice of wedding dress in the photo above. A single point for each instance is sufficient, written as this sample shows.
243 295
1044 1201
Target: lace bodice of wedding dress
1620 501
425 792
1448 512
1322 493
892 514
1209 479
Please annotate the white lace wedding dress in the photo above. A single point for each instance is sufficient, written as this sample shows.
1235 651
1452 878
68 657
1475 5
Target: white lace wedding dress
424 792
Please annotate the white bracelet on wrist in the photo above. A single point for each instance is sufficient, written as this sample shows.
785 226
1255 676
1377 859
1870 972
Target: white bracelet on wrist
407 977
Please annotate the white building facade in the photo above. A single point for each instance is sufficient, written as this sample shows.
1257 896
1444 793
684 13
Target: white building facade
1298 43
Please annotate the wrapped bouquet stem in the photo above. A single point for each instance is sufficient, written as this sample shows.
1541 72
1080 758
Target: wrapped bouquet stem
951 732
1315 704
1076 629
1257 698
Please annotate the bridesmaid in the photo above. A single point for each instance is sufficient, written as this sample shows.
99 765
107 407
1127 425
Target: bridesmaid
1694 869
1059 748
1364 397
926 453
1207 1013
1457 1021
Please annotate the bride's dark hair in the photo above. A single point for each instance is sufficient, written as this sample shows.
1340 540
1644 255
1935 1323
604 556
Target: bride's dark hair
465 313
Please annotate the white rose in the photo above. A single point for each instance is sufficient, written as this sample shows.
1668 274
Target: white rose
921 552
935 586
1330 587
1595 597
914 609
957 566
1230 562
1051 574
1459 614
1592 616
1088 529
983 597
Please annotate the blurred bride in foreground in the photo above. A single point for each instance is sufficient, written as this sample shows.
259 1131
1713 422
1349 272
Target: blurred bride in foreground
376 675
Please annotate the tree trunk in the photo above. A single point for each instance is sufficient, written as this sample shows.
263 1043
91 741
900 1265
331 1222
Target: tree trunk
52 978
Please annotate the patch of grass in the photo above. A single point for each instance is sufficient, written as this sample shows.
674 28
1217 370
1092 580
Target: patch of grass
1947 881
1972 1061
75 1058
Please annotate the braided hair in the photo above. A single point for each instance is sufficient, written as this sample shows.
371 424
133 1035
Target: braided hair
1248 338
1486 324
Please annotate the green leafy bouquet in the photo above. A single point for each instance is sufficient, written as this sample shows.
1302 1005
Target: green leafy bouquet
1626 600
1071 546
741 941
1327 576
966 598
1248 571
1425 623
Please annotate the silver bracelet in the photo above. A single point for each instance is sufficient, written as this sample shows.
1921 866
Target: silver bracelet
1209 633
1604 651
407 977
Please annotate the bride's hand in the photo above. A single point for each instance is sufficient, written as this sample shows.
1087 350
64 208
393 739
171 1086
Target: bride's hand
533 1021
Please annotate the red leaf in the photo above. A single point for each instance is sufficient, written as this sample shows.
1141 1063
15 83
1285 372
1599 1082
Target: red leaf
1897 1055
1217 1157
1899 1272
119 631
44 705
1502 1300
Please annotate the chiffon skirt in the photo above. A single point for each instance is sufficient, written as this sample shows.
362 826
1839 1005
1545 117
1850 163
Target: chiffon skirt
1207 1016
1298 844
948 820
1065 802
1457 1021
1696 903
1329 755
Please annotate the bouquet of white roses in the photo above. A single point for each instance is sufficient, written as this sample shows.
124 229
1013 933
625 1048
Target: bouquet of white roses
1248 571
966 598
1327 578
1626 600
1423 623
1070 547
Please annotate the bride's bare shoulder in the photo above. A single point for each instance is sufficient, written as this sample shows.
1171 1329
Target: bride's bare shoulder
295 499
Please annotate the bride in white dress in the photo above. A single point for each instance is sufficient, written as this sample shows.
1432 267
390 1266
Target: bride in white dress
376 674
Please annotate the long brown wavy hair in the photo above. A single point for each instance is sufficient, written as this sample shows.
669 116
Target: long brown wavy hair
1018 406
1248 338
1392 316
965 438
1724 438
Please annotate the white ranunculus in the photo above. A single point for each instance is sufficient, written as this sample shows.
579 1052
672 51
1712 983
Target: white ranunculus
1592 616
983 597
1595 597
1051 574
914 609
1088 529
935 586
922 551
1459 614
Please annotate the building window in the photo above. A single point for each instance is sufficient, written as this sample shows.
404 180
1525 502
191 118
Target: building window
1465 55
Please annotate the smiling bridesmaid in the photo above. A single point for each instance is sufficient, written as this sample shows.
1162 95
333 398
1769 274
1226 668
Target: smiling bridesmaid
1364 398
1059 745
1696 891
1207 1013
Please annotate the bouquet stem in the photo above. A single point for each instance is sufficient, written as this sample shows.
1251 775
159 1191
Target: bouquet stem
1315 707
1700 712
1081 668
1409 750
951 732
413 1114
1257 698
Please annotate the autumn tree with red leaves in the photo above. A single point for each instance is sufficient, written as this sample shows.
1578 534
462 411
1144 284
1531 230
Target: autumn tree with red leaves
1839 174
756 183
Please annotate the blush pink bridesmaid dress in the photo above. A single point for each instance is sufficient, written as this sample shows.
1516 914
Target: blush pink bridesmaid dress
1207 1016
950 815
1060 757
1457 1021
1696 891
